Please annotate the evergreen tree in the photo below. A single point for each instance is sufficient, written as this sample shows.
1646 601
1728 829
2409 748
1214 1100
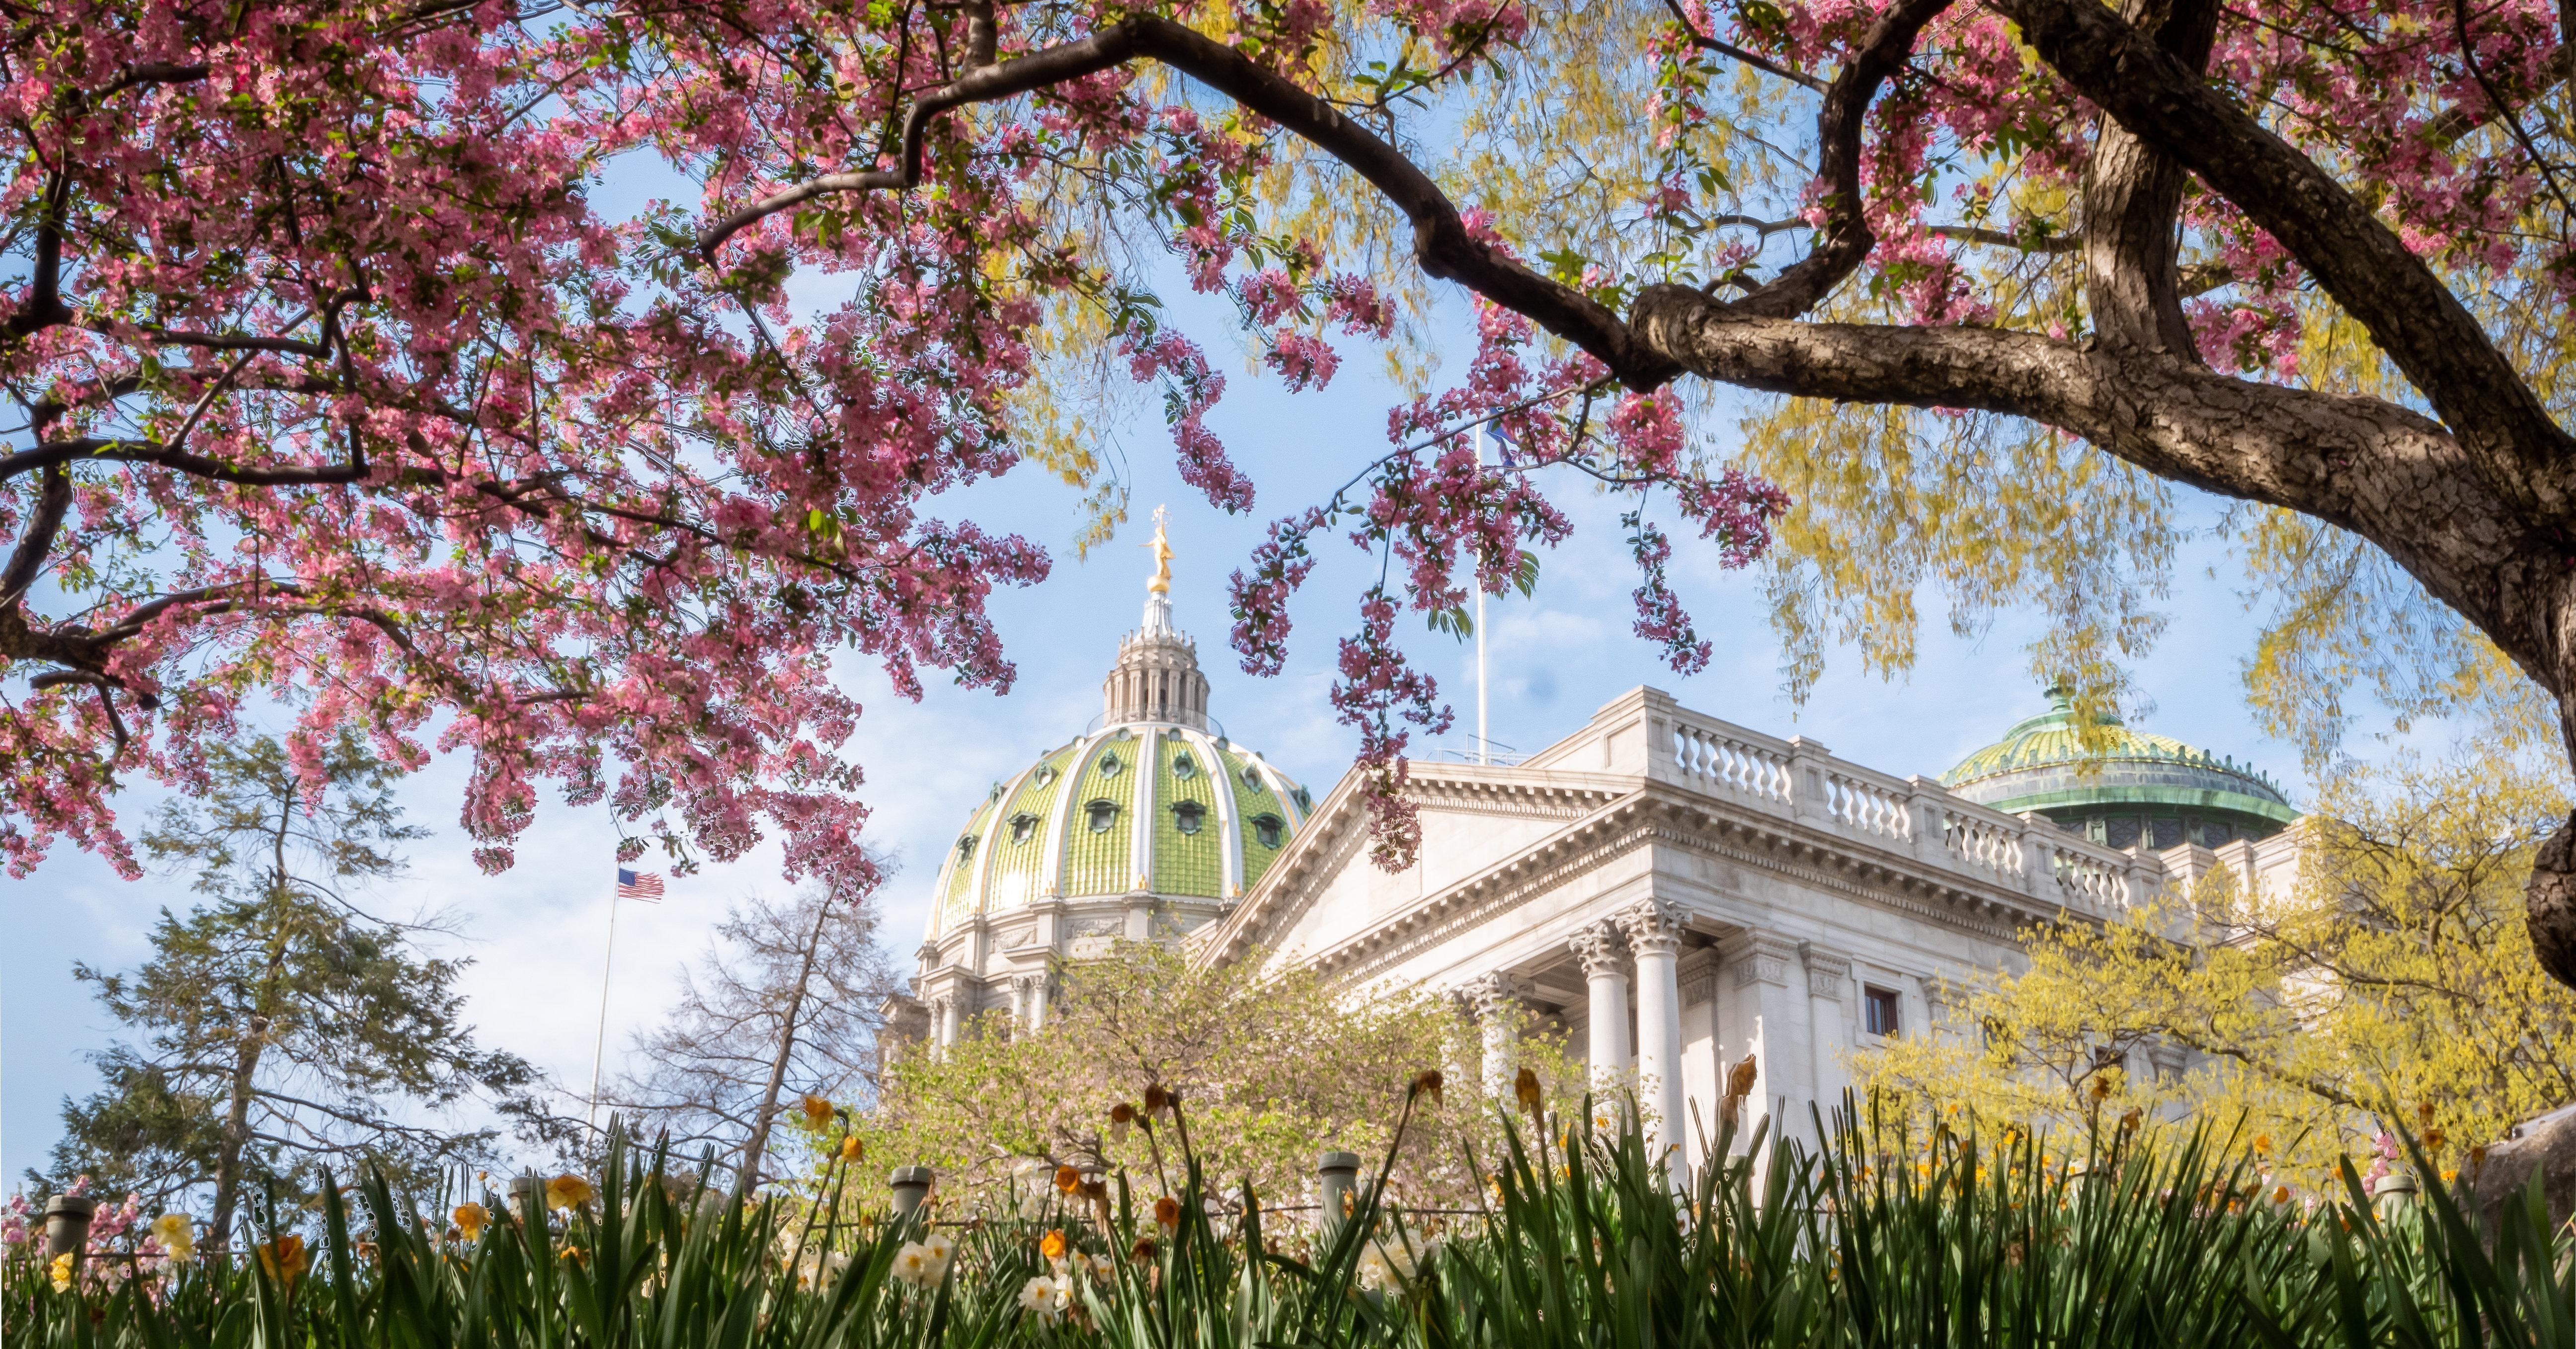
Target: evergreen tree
279 1029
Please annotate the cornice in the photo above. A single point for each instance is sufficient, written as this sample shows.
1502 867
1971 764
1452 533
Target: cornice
1635 811
1335 832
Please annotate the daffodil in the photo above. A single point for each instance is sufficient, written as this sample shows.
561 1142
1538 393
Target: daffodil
852 1150
1121 1116
470 1219
942 1248
1525 1090
1067 1179
1167 1213
177 1236
915 1265
284 1260
568 1192
818 1111
1052 1246
61 1269
1427 1083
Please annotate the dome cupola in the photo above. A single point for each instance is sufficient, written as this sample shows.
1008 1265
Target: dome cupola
2138 789
1152 803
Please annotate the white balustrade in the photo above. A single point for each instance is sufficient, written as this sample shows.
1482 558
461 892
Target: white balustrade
1728 761
1807 784
1869 807
1991 845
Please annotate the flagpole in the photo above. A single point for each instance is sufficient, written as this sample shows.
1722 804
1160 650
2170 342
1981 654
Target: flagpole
1484 747
599 1046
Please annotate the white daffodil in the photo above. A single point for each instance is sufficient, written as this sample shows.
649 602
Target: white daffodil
1042 1297
915 1265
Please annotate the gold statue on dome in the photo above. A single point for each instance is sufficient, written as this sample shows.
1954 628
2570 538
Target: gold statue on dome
1162 546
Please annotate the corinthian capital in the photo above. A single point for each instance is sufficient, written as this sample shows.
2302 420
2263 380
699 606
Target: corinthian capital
1654 926
1599 948
1489 995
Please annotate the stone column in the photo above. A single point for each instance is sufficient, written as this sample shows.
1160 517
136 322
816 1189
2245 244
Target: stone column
1598 948
1496 1001
1654 930
1032 989
951 1011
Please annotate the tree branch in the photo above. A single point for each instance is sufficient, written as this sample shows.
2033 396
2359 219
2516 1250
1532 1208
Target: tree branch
1765 64
2413 317
1847 236
2132 194
1441 244
28 558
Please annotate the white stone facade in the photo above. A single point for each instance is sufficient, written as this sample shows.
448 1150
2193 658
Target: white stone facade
1677 893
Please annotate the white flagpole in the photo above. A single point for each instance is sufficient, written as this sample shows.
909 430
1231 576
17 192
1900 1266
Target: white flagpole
1484 747
599 1046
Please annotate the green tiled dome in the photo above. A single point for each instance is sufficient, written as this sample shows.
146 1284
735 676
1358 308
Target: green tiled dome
1156 801
2139 789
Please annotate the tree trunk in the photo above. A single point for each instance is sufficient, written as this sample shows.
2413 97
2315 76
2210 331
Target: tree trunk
755 1147
246 1054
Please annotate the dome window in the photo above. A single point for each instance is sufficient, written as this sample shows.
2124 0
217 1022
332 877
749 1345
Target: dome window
1267 829
1252 779
966 848
1109 765
1187 816
1024 827
1102 815
1044 775
1184 767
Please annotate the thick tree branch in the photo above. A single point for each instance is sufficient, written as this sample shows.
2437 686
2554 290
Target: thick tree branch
28 559
1441 243
1847 236
44 307
2132 195
2412 316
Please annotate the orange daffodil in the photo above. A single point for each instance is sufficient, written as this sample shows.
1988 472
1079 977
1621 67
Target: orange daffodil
470 1219
284 1260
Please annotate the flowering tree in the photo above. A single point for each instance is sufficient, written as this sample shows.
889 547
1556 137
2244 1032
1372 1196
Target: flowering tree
1269 1069
2392 986
340 388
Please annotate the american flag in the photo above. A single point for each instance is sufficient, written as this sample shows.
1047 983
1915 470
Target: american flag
643 885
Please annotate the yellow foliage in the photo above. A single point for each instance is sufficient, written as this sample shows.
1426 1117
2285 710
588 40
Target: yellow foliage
2392 985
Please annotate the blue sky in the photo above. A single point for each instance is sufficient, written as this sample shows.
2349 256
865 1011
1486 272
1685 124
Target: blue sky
535 933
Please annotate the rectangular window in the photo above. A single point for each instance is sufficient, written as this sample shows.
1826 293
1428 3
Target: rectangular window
1878 1008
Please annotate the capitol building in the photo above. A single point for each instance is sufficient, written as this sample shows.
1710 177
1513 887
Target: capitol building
1671 890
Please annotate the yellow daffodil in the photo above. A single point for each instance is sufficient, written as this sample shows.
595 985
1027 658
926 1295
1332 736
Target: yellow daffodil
818 1111
177 1236
2263 1144
1525 1090
852 1150
470 1218
61 1269
1052 1246
568 1192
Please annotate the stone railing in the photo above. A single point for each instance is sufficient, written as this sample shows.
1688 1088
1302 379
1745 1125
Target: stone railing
1796 779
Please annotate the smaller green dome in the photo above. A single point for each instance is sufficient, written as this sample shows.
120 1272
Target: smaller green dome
2139 788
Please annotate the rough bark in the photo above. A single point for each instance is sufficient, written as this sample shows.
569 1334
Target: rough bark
757 1146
